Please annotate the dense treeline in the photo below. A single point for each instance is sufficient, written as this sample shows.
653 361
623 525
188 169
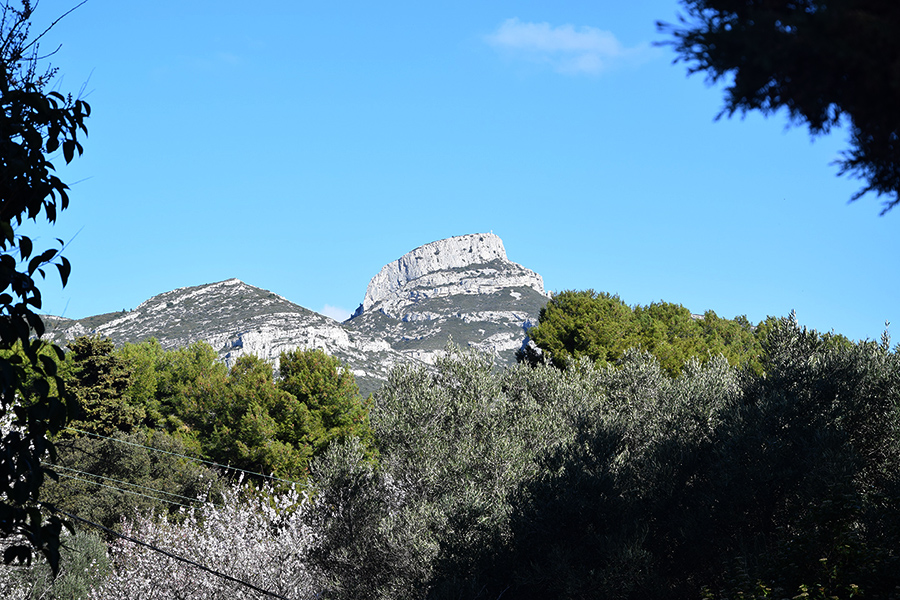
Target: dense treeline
601 327
243 417
612 479
625 482
135 412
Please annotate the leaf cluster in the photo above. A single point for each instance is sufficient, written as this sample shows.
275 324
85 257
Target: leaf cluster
34 125
820 60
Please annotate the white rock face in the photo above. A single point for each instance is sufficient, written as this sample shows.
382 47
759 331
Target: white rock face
451 253
457 265
463 289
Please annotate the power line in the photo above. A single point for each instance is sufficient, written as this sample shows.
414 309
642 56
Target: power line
185 456
119 481
167 553
133 493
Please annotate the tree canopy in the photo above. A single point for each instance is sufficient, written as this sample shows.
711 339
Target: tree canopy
98 381
624 483
329 392
243 417
821 60
600 327
526 482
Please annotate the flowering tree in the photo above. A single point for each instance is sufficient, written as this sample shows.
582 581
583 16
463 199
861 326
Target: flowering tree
256 537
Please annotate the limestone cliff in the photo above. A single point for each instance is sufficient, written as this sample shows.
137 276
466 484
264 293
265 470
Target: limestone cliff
462 288
442 255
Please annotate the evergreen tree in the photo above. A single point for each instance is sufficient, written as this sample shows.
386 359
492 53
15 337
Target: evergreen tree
257 426
99 381
328 391
600 327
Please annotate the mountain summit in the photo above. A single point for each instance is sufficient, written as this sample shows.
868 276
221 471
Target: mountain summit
446 267
462 289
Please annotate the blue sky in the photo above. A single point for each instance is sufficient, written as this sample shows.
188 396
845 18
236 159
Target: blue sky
301 146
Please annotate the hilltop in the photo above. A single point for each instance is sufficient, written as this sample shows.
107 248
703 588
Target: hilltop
463 289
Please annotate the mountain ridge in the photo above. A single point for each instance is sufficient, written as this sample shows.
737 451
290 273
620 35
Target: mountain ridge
462 288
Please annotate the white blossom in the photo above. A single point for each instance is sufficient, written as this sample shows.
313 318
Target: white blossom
257 537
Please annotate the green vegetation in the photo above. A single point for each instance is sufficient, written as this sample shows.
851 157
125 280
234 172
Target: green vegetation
242 417
775 477
98 381
600 327
35 124
173 386
138 462
625 482
330 407
83 567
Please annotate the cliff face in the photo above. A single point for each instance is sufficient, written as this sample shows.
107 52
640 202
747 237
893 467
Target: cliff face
430 259
467 264
462 288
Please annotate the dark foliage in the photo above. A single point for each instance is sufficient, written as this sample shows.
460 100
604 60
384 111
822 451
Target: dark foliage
783 482
103 480
98 381
821 60
34 124
625 482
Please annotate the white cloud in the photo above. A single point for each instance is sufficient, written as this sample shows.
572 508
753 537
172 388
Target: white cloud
335 312
566 48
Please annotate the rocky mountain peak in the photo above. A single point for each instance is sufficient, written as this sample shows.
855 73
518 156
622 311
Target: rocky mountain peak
450 253
465 264
463 289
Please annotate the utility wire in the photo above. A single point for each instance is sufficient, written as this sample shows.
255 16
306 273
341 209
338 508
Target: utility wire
169 554
119 481
185 456
133 493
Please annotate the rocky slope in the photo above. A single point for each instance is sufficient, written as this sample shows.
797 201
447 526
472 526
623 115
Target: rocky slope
237 319
462 288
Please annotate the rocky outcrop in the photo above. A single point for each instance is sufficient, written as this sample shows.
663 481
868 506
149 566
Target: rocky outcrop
462 289
437 256
466 264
